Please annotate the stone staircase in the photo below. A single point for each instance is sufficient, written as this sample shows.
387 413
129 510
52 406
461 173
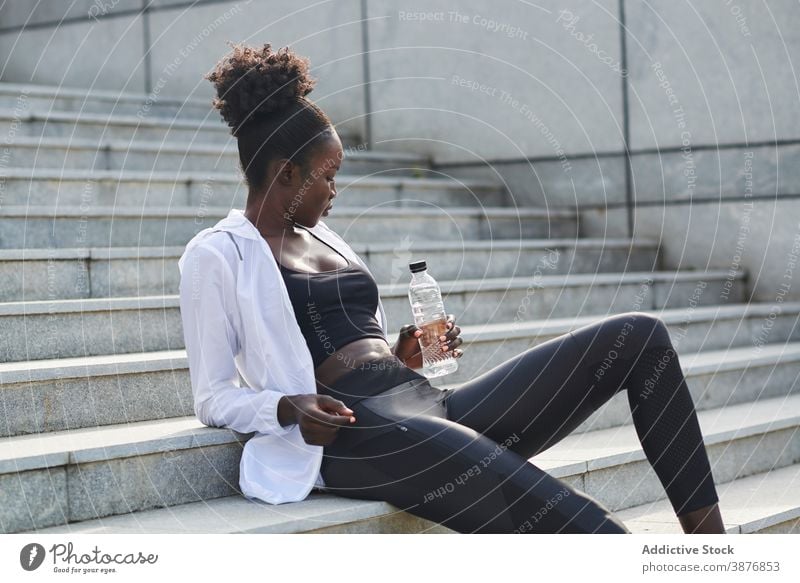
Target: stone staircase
97 432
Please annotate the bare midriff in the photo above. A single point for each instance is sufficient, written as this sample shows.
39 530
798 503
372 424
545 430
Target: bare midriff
349 357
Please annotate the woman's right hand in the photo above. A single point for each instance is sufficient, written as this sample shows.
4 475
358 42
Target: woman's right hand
319 416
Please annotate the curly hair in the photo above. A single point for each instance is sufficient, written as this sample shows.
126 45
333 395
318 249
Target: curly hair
261 96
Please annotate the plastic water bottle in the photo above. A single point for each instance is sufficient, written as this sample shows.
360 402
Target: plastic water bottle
430 317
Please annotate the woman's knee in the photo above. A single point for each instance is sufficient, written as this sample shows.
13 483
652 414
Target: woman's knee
622 336
644 329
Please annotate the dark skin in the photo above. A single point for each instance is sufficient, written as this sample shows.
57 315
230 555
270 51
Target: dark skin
301 196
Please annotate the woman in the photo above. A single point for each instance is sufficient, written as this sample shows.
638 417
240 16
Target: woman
458 457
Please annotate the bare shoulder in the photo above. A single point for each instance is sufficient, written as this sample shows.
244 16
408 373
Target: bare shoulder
323 226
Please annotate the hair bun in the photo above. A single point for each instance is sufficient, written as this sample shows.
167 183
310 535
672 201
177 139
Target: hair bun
252 82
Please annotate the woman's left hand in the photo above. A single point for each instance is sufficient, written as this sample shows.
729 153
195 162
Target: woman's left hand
407 347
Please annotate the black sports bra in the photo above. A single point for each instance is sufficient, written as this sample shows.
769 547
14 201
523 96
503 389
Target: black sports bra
333 308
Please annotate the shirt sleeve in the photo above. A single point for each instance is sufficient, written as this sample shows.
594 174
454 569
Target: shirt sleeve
211 345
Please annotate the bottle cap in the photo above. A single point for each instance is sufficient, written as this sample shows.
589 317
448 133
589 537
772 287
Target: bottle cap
416 266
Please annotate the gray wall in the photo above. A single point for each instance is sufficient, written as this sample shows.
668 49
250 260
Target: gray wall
166 49
545 96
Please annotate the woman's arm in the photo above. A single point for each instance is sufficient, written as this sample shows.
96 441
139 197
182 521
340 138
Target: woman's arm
407 347
287 411
211 344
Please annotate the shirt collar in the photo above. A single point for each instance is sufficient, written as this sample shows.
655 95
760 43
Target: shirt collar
238 224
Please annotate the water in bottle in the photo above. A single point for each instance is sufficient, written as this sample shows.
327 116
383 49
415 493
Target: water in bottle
430 317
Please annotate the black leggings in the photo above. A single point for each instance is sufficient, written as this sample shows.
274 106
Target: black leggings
460 457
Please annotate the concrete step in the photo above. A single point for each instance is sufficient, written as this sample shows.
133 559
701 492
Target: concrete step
741 440
15 122
727 336
766 503
105 154
96 126
80 474
81 272
87 391
718 378
319 512
85 475
84 327
139 189
74 226
59 98
89 327
538 297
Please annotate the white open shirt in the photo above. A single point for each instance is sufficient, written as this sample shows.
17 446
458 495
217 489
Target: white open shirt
246 350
